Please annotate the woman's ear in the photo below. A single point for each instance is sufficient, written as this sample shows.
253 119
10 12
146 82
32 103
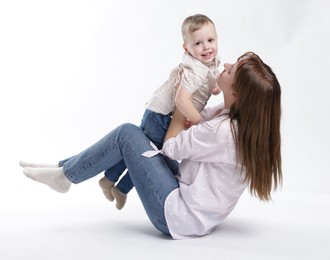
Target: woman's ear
234 96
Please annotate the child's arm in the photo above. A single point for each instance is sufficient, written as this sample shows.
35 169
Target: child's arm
183 102
178 123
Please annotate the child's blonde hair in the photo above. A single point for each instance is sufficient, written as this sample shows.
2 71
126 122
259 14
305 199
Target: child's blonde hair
193 23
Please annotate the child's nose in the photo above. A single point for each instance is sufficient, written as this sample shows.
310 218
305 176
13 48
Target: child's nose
206 46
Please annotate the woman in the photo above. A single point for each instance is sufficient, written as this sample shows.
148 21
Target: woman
236 145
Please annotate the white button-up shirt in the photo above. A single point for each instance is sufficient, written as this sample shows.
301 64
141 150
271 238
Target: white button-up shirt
210 179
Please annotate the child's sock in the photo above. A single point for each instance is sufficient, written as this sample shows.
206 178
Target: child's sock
106 186
53 177
38 165
119 197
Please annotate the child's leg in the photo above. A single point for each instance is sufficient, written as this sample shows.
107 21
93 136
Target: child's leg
118 193
155 126
119 197
113 174
106 186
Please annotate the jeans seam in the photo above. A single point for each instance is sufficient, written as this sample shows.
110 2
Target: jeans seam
88 164
141 167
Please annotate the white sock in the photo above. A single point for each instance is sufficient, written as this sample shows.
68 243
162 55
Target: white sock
53 177
38 165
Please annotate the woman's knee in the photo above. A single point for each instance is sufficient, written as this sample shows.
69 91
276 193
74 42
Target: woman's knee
132 135
129 127
128 130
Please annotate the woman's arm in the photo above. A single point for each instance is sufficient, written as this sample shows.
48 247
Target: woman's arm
209 112
208 141
179 121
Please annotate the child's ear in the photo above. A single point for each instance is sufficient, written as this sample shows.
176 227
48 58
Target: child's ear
184 45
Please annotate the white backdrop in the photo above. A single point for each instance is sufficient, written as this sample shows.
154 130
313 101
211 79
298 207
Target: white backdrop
73 70
70 71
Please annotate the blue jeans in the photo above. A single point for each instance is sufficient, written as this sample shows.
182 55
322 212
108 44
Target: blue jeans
155 126
152 177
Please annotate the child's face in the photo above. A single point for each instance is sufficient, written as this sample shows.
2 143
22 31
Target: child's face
203 44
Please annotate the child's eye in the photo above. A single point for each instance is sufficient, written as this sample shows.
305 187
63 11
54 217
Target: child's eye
197 43
211 40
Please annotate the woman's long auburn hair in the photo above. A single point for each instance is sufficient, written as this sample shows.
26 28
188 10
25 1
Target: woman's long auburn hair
257 111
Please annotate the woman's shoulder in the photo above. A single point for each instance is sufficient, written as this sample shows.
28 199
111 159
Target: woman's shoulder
221 126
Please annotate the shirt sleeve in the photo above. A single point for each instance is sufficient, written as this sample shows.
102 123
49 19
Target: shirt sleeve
193 76
203 142
209 112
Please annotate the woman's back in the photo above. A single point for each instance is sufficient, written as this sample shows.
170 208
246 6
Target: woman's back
210 180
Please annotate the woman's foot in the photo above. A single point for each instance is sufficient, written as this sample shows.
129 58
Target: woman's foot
53 177
106 186
25 164
119 197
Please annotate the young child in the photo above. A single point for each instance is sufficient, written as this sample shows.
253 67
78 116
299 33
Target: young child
188 89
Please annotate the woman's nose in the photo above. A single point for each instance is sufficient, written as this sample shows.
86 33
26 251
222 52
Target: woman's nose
226 65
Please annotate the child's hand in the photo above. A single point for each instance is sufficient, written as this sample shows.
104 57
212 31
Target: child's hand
188 124
216 91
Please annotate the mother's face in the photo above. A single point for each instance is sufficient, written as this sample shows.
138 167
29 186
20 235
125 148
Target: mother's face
226 80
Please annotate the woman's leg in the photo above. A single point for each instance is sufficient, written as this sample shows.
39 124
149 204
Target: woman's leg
154 125
151 177
26 164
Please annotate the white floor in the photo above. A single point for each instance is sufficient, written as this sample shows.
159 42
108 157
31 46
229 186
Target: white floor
82 225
